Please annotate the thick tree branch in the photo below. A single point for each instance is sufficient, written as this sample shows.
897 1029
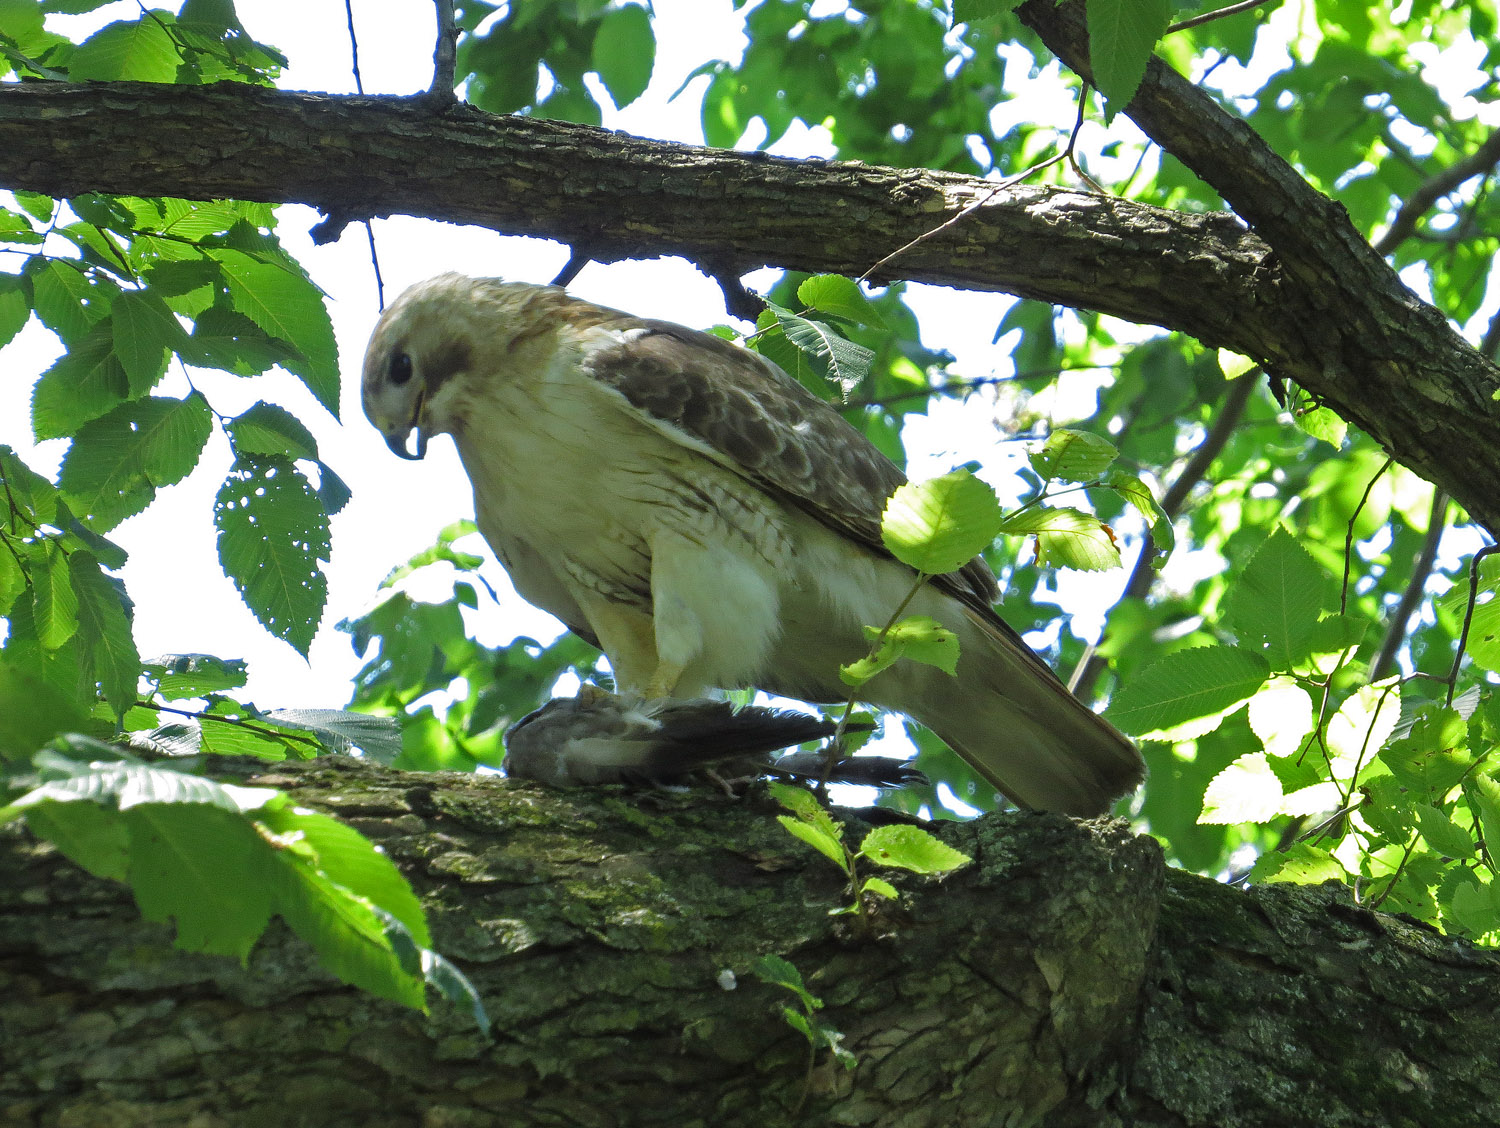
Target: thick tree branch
1064 979
1362 342
1340 325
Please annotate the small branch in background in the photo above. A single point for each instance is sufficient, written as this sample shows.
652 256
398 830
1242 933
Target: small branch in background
1221 13
1233 409
1349 531
1395 635
359 86
375 265
577 260
444 55
1463 636
1480 161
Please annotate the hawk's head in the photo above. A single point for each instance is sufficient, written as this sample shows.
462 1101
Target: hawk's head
425 338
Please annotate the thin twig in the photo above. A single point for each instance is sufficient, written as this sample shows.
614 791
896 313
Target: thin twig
1401 618
1004 185
1463 636
1209 17
375 265
359 86
1349 531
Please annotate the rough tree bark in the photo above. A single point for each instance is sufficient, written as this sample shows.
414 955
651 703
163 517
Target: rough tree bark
1065 978
1301 292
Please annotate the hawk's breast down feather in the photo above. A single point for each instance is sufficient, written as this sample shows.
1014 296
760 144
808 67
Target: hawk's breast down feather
708 522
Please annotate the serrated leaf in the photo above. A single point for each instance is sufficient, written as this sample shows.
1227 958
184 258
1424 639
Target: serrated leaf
272 534
145 335
54 604
68 302
193 675
265 428
939 525
624 52
1483 793
1364 722
1246 791
1198 682
91 836
1275 602
1442 833
343 730
1139 495
911 848
840 297
1323 423
1435 755
816 837
1072 456
1299 864
1066 538
1121 36
15 306
12 579
104 631
1281 714
880 887
84 384
139 51
115 463
287 306
847 363
230 341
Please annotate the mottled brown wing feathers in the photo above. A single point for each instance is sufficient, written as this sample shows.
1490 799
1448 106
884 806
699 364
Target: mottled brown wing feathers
768 426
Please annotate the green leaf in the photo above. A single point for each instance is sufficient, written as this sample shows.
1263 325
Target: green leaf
911 848
115 464
1442 833
1299 864
267 429
1323 423
272 534
141 51
32 713
838 296
287 306
1247 791
1134 490
224 339
1072 456
84 384
54 604
1483 794
847 363
1276 601
104 631
15 306
1475 906
1066 538
347 859
939 525
1435 755
973 11
93 837
145 335
918 637
1121 36
624 51
1281 714
68 301
193 675
880 887
817 838
1201 681
12 578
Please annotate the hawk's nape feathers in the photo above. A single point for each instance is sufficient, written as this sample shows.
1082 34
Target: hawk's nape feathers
708 522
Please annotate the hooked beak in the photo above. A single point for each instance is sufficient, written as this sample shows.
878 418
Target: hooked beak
397 441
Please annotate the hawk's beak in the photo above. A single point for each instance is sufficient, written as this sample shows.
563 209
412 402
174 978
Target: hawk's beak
397 443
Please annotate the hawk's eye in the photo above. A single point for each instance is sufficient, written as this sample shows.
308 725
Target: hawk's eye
400 369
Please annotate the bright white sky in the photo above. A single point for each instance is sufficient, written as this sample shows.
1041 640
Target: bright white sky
183 601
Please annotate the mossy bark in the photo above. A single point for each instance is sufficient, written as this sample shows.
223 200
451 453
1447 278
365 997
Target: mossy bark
1065 978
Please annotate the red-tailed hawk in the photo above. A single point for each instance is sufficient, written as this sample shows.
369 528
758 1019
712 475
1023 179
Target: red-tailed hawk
708 522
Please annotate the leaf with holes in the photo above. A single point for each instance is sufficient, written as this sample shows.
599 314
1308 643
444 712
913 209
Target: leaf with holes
273 532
